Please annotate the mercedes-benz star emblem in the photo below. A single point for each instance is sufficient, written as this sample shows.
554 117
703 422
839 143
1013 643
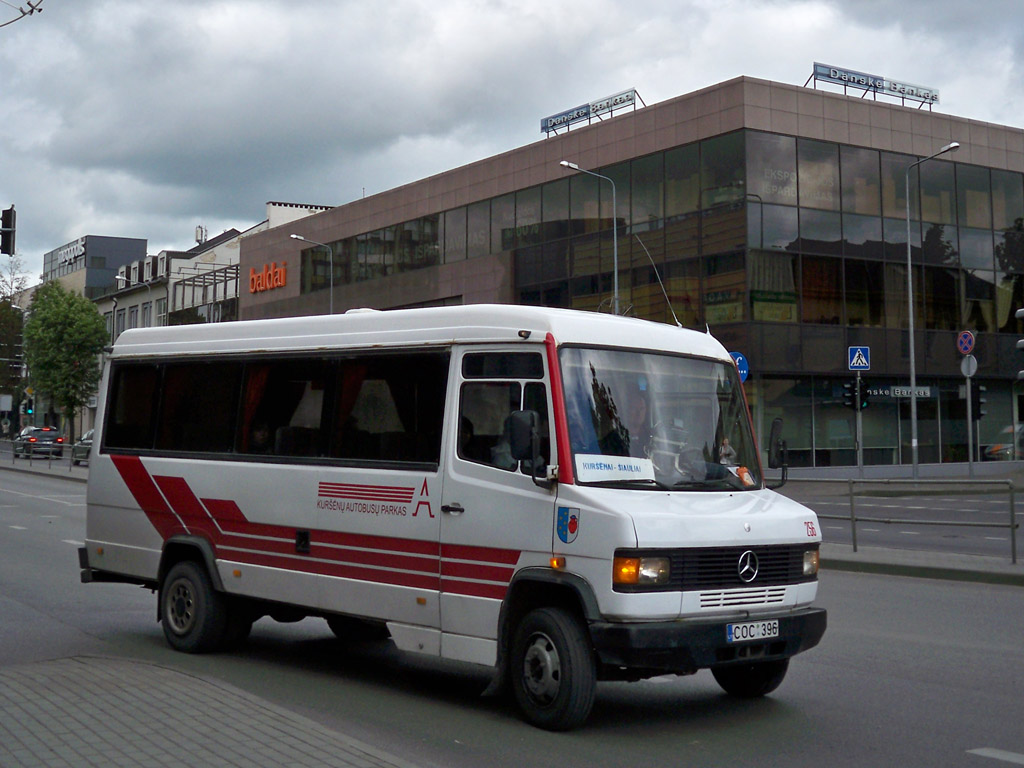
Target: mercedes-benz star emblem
747 567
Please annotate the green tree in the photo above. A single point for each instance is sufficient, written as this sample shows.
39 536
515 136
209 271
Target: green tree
64 336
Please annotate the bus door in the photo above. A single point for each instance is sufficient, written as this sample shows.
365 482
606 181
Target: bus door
493 517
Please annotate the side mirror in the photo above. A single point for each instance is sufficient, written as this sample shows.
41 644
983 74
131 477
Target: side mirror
524 444
777 451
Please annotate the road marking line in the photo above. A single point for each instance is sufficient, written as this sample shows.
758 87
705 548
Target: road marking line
871 530
911 533
47 498
996 538
18 527
73 543
835 528
998 754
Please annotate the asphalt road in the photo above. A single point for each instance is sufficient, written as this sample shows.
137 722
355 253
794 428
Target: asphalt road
911 672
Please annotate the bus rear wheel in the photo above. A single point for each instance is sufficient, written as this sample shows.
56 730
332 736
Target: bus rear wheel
552 669
192 612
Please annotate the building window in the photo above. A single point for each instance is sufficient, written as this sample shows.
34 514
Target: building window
503 223
722 170
861 187
1007 199
820 232
773 292
821 281
818 164
865 295
938 201
771 168
682 180
648 192
974 197
478 229
455 235
555 209
133 317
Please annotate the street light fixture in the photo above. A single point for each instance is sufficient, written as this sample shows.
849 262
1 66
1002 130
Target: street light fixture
330 264
953 146
615 231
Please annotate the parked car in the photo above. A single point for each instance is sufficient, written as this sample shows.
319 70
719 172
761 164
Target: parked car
80 450
39 441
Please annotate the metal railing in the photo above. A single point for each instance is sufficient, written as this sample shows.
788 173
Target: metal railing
962 488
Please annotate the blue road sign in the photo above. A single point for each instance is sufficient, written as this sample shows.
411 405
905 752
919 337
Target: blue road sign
741 365
860 358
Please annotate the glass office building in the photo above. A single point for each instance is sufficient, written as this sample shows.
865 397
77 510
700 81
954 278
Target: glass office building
773 215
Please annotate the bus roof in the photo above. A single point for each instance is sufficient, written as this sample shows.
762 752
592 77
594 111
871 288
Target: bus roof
363 329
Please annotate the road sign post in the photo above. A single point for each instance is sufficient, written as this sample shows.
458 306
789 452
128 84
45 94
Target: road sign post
969 367
859 359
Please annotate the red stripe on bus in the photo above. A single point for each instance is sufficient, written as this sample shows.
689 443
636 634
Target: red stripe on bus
147 495
320 568
224 510
386 543
480 554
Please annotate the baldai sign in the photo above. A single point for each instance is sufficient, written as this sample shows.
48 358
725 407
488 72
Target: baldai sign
272 276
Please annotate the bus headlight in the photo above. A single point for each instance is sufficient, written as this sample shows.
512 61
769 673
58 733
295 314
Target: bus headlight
640 571
811 562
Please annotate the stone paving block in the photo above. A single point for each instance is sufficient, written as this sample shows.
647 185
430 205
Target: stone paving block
91 710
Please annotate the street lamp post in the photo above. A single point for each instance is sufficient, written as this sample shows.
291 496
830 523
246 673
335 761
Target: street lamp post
953 146
330 264
615 231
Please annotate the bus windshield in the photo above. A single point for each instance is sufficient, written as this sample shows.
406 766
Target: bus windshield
652 420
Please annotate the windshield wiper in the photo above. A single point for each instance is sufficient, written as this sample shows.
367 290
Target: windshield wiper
645 482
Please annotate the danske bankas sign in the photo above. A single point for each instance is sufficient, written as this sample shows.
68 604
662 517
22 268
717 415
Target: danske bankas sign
875 83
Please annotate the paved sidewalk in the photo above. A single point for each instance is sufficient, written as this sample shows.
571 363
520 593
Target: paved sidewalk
98 711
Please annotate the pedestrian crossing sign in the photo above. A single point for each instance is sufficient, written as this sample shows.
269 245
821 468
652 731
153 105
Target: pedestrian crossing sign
860 358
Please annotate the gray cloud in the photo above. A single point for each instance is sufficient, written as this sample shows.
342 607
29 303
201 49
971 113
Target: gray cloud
145 118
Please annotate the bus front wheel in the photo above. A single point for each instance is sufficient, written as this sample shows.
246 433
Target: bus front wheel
552 669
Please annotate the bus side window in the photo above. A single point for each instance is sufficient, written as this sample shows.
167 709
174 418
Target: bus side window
132 408
484 409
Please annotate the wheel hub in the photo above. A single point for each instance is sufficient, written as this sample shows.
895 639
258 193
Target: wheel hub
541 668
179 606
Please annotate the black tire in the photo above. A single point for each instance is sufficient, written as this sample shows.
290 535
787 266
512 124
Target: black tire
552 669
349 629
752 679
193 614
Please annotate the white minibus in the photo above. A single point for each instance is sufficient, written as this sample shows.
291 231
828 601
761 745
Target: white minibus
562 496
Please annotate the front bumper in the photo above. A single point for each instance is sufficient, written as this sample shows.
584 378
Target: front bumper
684 646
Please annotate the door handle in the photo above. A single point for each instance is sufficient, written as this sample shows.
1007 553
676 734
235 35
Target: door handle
453 509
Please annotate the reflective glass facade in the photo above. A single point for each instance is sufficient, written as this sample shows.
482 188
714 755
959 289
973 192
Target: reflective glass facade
790 248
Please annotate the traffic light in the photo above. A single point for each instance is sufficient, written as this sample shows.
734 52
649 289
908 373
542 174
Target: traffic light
863 401
30 407
978 402
850 394
7 226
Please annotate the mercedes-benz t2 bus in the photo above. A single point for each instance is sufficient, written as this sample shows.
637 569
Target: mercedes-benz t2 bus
562 496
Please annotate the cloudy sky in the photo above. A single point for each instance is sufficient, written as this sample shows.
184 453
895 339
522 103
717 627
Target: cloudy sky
145 118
